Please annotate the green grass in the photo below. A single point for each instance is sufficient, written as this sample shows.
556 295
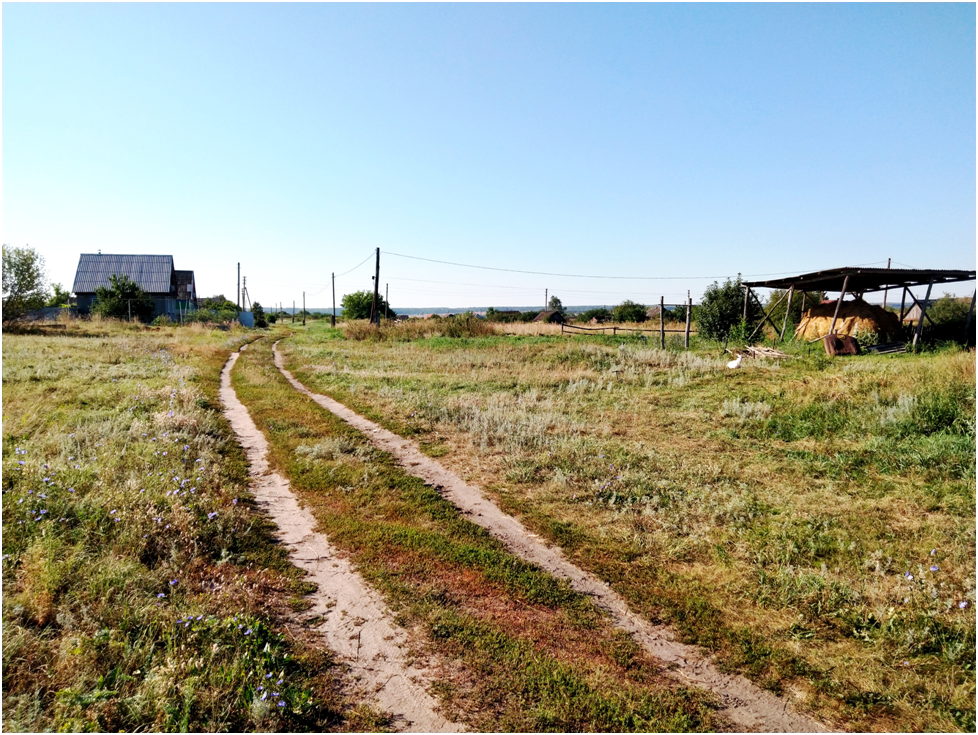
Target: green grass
771 514
530 654
141 590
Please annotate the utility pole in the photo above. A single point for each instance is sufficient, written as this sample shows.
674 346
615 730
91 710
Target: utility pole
239 287
332 322
293 311
303 308
374 314
546 301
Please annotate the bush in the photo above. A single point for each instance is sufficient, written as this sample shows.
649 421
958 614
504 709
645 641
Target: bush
259 313
629 311
124 299
722 310
602 315
949 310
357 305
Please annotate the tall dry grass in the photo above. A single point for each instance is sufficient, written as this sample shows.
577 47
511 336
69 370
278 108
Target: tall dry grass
783 514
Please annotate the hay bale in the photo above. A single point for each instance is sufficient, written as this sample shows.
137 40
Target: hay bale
855 317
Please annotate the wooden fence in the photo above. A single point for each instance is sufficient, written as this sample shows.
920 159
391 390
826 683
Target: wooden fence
573 328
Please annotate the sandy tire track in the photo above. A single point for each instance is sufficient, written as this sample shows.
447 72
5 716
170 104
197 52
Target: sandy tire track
357 627
742 702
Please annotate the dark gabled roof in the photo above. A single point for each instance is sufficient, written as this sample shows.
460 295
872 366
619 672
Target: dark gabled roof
865 280
153 273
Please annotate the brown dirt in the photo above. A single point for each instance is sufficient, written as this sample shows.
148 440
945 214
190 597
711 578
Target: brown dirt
742 702
357 626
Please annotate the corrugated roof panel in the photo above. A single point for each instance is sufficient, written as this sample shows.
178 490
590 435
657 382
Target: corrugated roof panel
153 273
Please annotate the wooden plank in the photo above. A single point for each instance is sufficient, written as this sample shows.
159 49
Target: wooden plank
923 312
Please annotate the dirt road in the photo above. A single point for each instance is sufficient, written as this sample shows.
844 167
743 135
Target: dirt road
357 625
743 703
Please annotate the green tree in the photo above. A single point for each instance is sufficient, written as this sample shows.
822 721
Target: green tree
722 309
679 313
60 297
24 281
555 305
602 315
949 309
357 305
124 299
260 321
629 311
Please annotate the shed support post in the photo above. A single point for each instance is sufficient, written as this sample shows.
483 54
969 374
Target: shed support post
967 324
838 304
746 296
903 305
923 311
787 312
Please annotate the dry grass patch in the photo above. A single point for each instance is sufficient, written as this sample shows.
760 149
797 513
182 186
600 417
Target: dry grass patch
534 655
818 486
141 589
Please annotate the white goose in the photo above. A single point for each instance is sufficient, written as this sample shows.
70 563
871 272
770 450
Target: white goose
734 364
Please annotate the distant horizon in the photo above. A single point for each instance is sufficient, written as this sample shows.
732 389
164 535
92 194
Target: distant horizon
577 309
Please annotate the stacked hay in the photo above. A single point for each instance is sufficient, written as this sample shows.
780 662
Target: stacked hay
855 318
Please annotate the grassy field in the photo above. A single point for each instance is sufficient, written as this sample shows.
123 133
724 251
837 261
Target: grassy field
523 652
811 521
140 589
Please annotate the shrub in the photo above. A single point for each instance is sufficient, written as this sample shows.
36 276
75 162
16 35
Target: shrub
259 313
722 309
124 299
602 315
629 311
358 305
949 310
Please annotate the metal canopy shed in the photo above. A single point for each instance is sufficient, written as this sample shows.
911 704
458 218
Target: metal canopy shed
860 281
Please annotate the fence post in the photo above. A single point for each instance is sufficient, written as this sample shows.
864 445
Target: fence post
662 321
689 311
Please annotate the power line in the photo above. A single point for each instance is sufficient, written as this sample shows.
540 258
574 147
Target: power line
577 275
339 275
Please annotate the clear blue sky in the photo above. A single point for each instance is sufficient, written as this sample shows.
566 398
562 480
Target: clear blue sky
674 142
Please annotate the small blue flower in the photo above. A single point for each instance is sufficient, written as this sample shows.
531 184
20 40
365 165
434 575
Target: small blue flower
161 595
963 604
934 568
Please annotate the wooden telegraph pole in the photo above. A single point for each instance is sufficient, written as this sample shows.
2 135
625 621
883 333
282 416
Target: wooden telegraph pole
374 314
332 322
303 308
293 311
